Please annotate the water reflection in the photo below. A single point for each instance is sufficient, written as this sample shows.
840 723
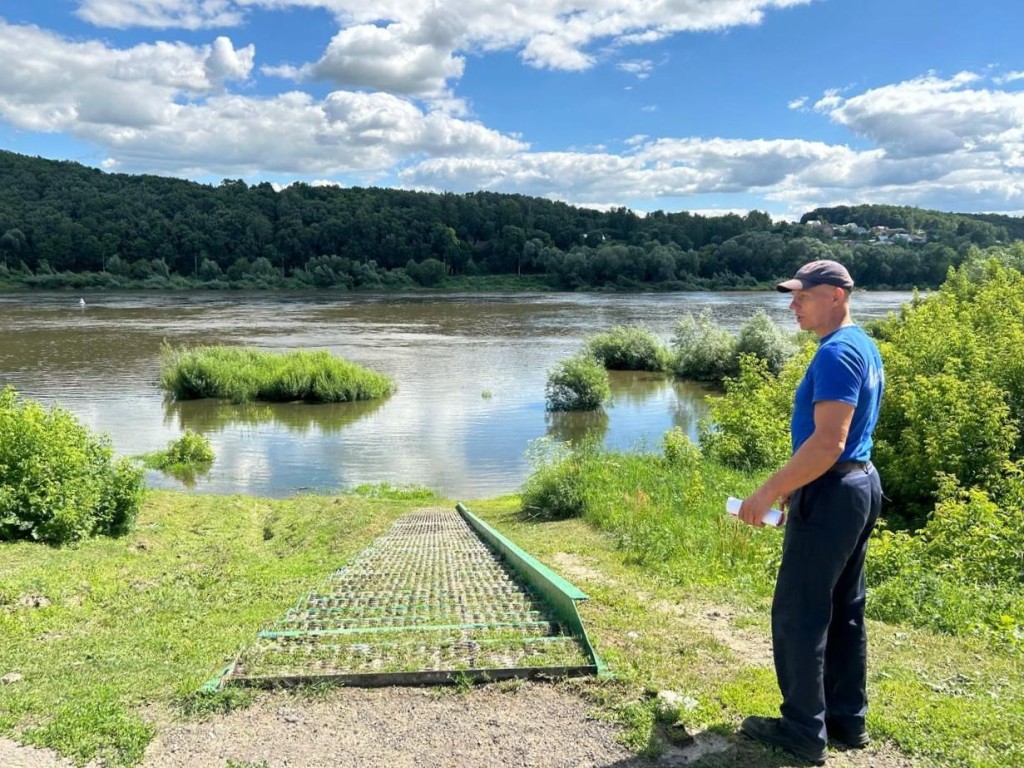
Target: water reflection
577 427
188 476
635 387
303 419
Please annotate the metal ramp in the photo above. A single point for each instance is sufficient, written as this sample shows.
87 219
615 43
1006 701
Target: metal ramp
440 597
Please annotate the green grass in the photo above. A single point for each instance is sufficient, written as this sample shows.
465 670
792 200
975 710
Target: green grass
945 701
140 622
148 618
242 375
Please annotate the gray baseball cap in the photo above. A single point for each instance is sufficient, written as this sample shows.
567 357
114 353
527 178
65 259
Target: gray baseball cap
821 272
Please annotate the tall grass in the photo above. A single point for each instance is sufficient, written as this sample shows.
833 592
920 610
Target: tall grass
242 374
666 512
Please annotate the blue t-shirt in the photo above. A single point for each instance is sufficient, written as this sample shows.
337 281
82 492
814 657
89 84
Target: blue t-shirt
846 368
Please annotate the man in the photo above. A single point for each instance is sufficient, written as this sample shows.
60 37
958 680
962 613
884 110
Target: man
832 496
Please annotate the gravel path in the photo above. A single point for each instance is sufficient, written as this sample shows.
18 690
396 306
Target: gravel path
535 725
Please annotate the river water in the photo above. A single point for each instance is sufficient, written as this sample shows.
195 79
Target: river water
470 370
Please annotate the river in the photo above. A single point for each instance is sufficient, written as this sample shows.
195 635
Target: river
470 370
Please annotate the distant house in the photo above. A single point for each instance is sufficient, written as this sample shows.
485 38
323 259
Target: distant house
850 229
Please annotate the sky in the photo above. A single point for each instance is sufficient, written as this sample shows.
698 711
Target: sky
700 105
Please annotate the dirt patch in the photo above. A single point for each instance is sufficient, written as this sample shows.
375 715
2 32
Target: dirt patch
572 567
533 725
15 755
752 647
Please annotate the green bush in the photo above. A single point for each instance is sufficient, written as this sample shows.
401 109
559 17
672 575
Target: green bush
58 482
679 450
942 424
629 348
578 383
188 453
702 351
961 573
190 448
954 397
763 339
748 427
244 374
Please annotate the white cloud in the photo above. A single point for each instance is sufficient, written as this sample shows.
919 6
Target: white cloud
1009 77
799 103
397 58
184 14
551 34
660 168
936 143
642 68
162 107
929 116
125 89
226 63
830 100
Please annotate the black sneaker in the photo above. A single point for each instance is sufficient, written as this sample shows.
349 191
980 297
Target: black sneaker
854 738
769 730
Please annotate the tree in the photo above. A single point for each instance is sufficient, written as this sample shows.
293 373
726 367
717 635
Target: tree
11 243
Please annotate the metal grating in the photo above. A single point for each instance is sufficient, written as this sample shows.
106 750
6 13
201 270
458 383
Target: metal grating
426 600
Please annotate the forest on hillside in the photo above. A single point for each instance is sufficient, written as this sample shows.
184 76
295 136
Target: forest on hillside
64 224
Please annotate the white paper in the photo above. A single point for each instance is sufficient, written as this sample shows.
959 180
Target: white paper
773 517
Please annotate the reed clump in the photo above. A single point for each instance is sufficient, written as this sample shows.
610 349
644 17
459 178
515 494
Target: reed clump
244 374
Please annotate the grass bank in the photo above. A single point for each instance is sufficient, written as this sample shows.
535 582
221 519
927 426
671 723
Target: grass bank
242 374
111 631
101 631
701 629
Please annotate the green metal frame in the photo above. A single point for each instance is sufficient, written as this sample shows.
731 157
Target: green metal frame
556 591
559 594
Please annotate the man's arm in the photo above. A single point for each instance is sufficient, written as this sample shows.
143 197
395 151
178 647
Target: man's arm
820 451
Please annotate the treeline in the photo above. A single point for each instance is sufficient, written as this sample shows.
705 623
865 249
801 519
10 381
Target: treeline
981 229
63 224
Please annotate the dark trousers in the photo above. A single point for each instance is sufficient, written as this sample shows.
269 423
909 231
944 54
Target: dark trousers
818 632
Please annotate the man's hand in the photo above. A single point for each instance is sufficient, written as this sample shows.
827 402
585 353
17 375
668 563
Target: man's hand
756 506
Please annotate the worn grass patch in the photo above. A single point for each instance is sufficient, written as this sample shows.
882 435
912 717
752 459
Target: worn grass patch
103 629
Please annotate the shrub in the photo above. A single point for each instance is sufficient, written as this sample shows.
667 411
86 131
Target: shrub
702 351
58 482
629 348
679 450
748 427
242 374
190 448
183 456
578 383
762 338
961 573
942 424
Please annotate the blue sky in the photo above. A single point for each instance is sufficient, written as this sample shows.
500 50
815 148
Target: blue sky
701 105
